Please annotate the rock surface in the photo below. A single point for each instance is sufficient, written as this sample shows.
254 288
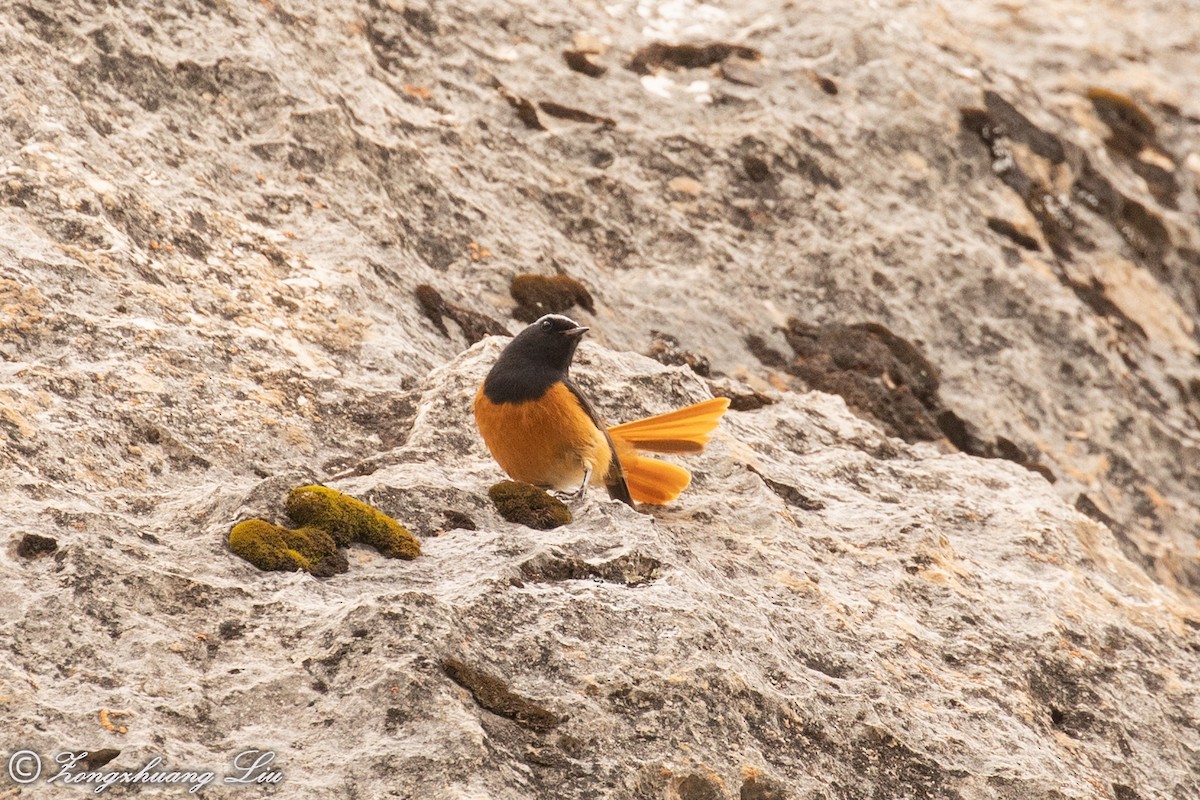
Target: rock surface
215 221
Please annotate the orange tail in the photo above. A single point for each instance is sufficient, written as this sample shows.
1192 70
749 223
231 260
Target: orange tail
682 431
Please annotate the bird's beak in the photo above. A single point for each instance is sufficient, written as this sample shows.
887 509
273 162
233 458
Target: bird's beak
576 332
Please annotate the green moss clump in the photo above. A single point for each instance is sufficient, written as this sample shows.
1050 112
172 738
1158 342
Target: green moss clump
348 520
270 547
528 505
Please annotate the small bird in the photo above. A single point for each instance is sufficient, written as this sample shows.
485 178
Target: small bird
542 430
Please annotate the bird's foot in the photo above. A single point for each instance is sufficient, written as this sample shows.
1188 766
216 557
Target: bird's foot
579 494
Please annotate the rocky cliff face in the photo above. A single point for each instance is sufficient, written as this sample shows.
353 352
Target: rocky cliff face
945 258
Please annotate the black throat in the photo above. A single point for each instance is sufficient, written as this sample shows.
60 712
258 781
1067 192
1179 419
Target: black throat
519 381
536 359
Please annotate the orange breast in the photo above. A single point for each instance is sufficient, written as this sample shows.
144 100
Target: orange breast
548 442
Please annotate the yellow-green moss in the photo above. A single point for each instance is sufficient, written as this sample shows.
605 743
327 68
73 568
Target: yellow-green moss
348 520
528 505
270 547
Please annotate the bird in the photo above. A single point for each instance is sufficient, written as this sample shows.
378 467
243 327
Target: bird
542 430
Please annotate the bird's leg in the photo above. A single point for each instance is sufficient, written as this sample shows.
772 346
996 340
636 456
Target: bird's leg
578 494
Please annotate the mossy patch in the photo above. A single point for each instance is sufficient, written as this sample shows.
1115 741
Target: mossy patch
584 62
494 695
1132 129
33 545
665 349
885 379
474 325
96 759
537 295
528 505
348 520
328 520
698 787
757 787
273 548
688 56
575 115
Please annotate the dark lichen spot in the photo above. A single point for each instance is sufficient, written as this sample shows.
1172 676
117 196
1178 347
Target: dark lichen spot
687 56
231 629
96 759
273 548
630 569
1123 792
537 295
878 374
433 306
879 759
995 126
473 324
1065 689
493 694
698 787
1132 129
1012 123
582 62
1000 124
742 71
393 719
808 167
751 400
665 349
965 436
827 85
1144 230
456 520
560 111
1159 180
1087 505
601 159
888 380
768 356
349 520
526 112
1011 231
1092 294
961 433
1141 228
790 494
757 787
528 505
33 545
756 168
978 121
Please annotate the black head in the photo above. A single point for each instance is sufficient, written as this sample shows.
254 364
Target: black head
536 359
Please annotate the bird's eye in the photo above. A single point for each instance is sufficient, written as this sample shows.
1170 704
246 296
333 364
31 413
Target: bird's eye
547 325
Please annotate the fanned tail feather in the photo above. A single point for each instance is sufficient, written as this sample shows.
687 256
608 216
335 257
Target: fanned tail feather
683 431
650 480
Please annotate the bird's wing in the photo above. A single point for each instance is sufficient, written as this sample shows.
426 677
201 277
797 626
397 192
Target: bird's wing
614 479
